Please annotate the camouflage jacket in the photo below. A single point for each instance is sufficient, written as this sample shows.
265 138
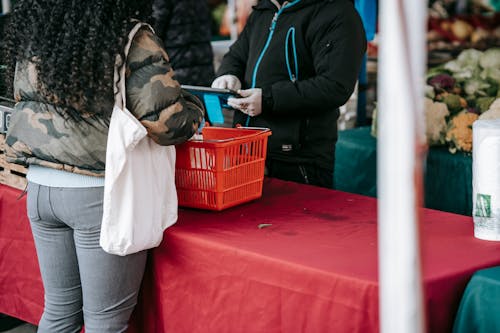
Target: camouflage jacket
39 135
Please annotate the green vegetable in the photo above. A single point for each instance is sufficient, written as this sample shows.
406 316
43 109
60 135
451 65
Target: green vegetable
429 91
469 57
453 66
493 88
484 103
476 86
452 101
471 100
490 58
466 66
491 73
466 73
436 71
493 112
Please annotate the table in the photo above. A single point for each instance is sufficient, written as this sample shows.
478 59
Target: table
447 179
478 311
300 259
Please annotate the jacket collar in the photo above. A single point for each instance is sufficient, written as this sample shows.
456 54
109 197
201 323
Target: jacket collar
274 5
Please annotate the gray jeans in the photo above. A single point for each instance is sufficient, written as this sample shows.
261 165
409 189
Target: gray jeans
83 284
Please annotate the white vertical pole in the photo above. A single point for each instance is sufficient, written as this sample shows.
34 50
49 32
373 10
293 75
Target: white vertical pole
233 19
402 60
6 6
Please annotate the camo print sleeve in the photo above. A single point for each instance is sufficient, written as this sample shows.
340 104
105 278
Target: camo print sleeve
170 114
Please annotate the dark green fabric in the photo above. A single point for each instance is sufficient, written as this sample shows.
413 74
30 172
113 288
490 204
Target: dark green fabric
478 311
356 162
448 181
448 177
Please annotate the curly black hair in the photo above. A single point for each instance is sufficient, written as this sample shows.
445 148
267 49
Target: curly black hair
73 44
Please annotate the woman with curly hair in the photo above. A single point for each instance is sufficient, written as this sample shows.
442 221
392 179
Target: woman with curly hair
62 57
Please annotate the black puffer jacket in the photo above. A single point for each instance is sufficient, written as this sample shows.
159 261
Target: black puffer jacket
3 24
324 42
184 26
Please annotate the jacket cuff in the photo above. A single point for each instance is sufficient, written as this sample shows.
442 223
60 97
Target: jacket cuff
267 100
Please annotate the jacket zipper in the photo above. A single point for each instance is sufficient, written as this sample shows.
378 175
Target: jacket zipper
304 174
291 73
270 36
268 41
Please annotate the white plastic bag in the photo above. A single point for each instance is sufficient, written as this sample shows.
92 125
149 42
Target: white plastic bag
140 199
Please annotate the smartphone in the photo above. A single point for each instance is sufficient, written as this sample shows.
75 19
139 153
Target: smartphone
199 90
215 100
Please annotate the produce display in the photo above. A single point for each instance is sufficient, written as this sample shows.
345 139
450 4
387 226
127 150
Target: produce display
459 92
463 31
448 35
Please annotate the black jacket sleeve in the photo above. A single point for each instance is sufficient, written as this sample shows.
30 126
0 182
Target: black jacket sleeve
337 46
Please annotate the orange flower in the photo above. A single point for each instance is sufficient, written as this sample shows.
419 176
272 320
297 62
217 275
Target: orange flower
459 133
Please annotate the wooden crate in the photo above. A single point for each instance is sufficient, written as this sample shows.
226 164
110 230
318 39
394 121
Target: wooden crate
11 174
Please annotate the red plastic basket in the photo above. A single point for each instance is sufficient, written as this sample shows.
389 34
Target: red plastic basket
223 170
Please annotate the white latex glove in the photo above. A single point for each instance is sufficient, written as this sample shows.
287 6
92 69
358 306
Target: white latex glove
250 103
227 82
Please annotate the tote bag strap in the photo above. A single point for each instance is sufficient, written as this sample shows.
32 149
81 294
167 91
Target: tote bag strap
121 67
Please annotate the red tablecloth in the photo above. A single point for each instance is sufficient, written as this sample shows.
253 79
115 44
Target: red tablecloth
313 269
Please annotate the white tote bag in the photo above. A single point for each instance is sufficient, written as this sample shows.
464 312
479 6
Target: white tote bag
140 199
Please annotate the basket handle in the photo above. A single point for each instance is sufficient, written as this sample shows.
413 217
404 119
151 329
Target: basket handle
263 130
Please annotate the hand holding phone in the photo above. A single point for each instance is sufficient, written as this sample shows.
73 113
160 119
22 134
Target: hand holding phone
227 81
250 102
214 99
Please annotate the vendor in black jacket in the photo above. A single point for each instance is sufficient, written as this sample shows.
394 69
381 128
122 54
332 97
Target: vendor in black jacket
297 62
